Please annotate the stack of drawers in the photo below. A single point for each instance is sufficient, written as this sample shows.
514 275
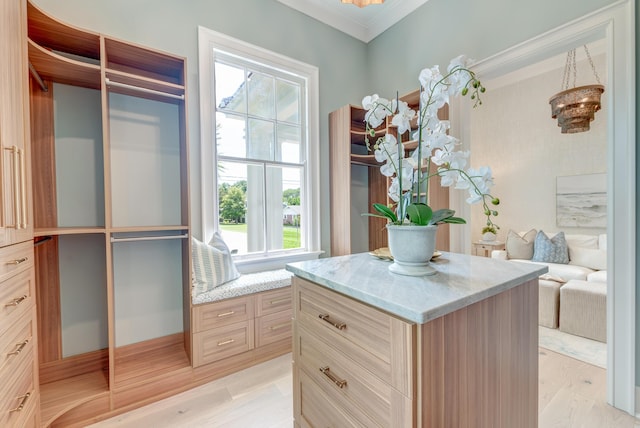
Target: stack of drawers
229 327
352 363
18 369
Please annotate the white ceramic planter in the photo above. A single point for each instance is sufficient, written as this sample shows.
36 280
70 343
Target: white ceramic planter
411 248
489 236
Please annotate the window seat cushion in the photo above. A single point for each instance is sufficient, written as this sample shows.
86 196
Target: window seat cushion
245 284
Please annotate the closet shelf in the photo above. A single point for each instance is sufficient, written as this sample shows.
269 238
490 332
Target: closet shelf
52 66
68 231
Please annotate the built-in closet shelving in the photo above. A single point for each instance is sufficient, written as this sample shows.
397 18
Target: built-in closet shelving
348 150
111 208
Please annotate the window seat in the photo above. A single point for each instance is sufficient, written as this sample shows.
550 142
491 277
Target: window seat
246 284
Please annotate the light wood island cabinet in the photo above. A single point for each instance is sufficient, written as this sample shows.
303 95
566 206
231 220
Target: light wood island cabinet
375 349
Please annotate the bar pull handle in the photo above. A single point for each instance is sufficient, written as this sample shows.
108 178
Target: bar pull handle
336 324
279 301
18 261
226 342
340 383
226 314
23 402
279 326
23 191
19 347
16 301
16 187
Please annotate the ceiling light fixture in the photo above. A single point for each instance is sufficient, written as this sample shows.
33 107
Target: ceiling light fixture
363 3
575 108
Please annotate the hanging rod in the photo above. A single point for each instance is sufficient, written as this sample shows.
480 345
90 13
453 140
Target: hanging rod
36 76
140 89
148 238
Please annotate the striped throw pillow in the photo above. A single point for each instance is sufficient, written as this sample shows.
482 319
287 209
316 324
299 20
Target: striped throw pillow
212 264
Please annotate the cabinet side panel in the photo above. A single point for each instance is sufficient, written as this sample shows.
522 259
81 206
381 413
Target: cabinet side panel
340 179
479 365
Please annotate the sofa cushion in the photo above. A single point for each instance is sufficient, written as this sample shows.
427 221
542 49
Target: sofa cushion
562 272
582 241
550 250
599 276
520 247
588 257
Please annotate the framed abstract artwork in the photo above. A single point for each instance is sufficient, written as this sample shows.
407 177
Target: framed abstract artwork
581 201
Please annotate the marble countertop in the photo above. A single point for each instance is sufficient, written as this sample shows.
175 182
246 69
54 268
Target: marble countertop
460 281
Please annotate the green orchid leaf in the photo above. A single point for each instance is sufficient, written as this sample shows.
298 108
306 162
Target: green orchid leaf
419 214
386 212
454 220
440 215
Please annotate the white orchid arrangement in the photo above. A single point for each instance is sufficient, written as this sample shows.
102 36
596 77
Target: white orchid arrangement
410 175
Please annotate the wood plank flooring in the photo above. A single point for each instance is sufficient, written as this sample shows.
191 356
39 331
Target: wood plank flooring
571 394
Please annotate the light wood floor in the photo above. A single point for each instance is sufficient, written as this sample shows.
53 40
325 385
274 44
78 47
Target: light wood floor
572 394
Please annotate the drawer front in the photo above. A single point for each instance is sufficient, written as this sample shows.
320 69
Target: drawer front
273 301
318 409
18 399
15 345
350 383
225 312
223 342
362 332
273 327
16 298
15 258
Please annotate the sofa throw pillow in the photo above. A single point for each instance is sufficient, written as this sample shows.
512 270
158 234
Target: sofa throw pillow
550 250
212 264
520 247
588 257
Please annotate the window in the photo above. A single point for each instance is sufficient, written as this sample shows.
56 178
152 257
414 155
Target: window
259 151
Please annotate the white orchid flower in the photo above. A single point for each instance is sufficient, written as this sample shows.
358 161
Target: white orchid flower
403 118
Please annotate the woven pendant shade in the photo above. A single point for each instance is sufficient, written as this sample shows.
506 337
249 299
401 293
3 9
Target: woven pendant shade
575 108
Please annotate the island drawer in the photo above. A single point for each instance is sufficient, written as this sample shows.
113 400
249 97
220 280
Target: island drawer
377 340
224 312
350 383
319 409
222 342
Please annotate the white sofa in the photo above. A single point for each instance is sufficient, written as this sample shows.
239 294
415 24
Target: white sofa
572 297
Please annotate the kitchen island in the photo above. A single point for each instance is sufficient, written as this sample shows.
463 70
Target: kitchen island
456 349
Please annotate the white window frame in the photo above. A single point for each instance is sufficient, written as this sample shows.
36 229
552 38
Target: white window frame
209 42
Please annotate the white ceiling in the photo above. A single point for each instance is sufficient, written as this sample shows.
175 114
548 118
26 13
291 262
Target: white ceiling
362 23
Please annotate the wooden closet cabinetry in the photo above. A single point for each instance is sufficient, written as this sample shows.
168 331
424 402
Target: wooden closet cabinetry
347 154
111 206
19 391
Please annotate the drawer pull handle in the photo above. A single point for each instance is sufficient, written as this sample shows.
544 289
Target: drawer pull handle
327 372
279 301
16 301
19 347
338 325
280 326
226 342
226 314
23 402
18 261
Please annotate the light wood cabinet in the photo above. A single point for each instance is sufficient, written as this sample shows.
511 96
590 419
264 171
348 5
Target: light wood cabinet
348 153
110 183
358 366
19 395
235 326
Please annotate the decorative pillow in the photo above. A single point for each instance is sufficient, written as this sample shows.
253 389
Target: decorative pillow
520 247
212 264
550 250
582 241
588 257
